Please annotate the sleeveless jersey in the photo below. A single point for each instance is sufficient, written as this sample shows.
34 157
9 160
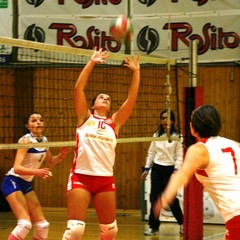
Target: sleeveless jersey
221 179
33 159
95 147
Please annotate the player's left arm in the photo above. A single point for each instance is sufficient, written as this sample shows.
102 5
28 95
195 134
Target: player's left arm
125 111
197 157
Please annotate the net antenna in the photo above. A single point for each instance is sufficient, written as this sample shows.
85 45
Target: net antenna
168 82
168 102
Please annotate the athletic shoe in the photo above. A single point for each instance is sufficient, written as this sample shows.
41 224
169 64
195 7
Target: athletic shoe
150 232
181 230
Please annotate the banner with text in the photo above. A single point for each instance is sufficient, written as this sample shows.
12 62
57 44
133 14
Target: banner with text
161 28
6 14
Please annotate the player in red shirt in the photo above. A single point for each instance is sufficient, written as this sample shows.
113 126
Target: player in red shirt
216 162
91 176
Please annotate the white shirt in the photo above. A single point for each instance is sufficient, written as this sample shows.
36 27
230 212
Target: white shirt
165 153
221 179
95 147
33 159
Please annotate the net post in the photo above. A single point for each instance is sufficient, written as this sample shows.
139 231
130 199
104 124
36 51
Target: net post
193 60
193 193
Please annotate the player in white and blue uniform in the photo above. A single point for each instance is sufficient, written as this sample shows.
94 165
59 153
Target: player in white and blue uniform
17 187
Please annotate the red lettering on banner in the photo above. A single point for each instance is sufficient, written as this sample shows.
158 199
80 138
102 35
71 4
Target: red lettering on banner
89 3
94 37
213 38
202 2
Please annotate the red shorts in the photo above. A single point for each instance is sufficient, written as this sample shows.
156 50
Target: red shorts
233 228
93 184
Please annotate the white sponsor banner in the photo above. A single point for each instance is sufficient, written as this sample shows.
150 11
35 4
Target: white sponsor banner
166 7
73 7
73 32
6 13
6 18
219 40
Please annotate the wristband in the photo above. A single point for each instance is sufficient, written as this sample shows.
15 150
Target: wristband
146 169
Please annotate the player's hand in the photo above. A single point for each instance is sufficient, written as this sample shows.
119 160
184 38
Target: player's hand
144 175
99 56
132 63
43 173
64 151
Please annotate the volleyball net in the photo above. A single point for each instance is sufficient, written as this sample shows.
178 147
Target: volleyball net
40 77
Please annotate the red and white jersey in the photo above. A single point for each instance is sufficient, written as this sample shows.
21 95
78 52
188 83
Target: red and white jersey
33 159
221 179
95 147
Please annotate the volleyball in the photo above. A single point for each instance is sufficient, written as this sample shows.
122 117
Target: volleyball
121 28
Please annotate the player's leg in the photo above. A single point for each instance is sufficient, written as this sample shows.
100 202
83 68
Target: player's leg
13 189
19 208
41 225
175 205
157 187
105 205
77 203
177 213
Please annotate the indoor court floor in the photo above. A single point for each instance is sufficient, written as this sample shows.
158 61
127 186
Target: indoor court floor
130 226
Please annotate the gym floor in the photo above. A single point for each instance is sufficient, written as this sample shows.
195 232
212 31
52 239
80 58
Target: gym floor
130 226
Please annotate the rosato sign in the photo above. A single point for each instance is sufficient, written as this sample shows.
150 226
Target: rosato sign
94 37
84 3
212 37
148 39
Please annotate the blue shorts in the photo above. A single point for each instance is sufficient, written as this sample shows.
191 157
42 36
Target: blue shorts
12 184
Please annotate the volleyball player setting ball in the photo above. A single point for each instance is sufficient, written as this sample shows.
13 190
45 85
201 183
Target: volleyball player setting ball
91 177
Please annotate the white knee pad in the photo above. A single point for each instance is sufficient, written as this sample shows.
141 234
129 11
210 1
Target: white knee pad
22 229
108 231
75 230
41 230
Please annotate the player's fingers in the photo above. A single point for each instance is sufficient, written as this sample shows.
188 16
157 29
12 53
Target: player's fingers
127 60
105 54
47 175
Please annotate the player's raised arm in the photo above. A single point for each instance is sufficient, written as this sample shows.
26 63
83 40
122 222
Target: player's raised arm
80 102
125 111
